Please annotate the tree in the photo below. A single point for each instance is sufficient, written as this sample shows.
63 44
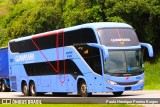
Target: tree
79 12
26 19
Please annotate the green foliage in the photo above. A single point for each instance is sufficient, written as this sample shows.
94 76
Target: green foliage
25 17
115 19
78 12
1 1
152 75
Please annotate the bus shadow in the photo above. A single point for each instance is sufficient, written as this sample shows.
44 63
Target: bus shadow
78 96
89 96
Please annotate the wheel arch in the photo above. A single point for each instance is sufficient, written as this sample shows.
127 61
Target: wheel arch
79 79
31 81
22 82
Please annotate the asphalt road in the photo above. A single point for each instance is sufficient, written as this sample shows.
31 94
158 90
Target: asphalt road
137 97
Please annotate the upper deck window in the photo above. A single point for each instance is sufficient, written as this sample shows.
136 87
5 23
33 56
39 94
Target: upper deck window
70 38
118 37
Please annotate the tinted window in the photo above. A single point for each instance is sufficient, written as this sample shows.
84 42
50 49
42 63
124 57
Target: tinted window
79 36
45 42
92 56
44 68
49 41
95 64
118 37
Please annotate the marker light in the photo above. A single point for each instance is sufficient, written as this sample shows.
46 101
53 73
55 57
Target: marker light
86 51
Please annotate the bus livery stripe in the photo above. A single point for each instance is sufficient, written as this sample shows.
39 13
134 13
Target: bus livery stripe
44 55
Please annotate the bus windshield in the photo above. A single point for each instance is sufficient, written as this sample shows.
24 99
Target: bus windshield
118 37
124 62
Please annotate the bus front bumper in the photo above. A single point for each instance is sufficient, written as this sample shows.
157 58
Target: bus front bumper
115 87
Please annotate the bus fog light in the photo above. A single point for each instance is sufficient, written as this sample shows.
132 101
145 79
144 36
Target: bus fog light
110 82
141 80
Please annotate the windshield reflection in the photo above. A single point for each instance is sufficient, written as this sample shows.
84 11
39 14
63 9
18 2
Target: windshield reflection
118 37
124 62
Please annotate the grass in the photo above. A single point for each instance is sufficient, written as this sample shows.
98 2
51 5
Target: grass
74 105
3 8
152 73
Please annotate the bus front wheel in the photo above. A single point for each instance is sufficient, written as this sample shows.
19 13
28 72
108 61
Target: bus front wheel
118 93
25 90
33 89
83 89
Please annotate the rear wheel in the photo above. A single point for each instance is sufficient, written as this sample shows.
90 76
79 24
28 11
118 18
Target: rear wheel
33 89
83 89
118 93
3 87
25 90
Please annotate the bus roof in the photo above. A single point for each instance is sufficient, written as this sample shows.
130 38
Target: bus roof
95 25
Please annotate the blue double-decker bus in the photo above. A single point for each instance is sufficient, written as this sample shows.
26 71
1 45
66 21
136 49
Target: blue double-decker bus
84 59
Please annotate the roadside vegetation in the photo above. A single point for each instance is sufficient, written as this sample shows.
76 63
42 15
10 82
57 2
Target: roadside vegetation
152 74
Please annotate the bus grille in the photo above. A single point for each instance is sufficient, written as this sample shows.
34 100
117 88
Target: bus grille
127 83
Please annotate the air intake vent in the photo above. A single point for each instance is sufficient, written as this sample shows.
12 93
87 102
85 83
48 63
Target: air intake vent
127 83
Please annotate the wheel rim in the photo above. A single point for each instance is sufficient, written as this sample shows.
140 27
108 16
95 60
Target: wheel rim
83 88
33 89
3 87
25 89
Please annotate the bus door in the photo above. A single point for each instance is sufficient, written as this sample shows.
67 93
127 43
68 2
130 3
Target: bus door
97 68
61 64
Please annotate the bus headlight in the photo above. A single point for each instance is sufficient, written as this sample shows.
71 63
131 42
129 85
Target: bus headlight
141 80
110 82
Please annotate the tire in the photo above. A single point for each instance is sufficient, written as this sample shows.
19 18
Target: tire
83 89
118 93
25 89
3 87
33 89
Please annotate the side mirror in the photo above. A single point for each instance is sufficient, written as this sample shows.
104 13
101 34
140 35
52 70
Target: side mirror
149 47
106 53
102 47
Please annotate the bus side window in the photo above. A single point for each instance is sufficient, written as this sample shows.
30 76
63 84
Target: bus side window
14 47
88 36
